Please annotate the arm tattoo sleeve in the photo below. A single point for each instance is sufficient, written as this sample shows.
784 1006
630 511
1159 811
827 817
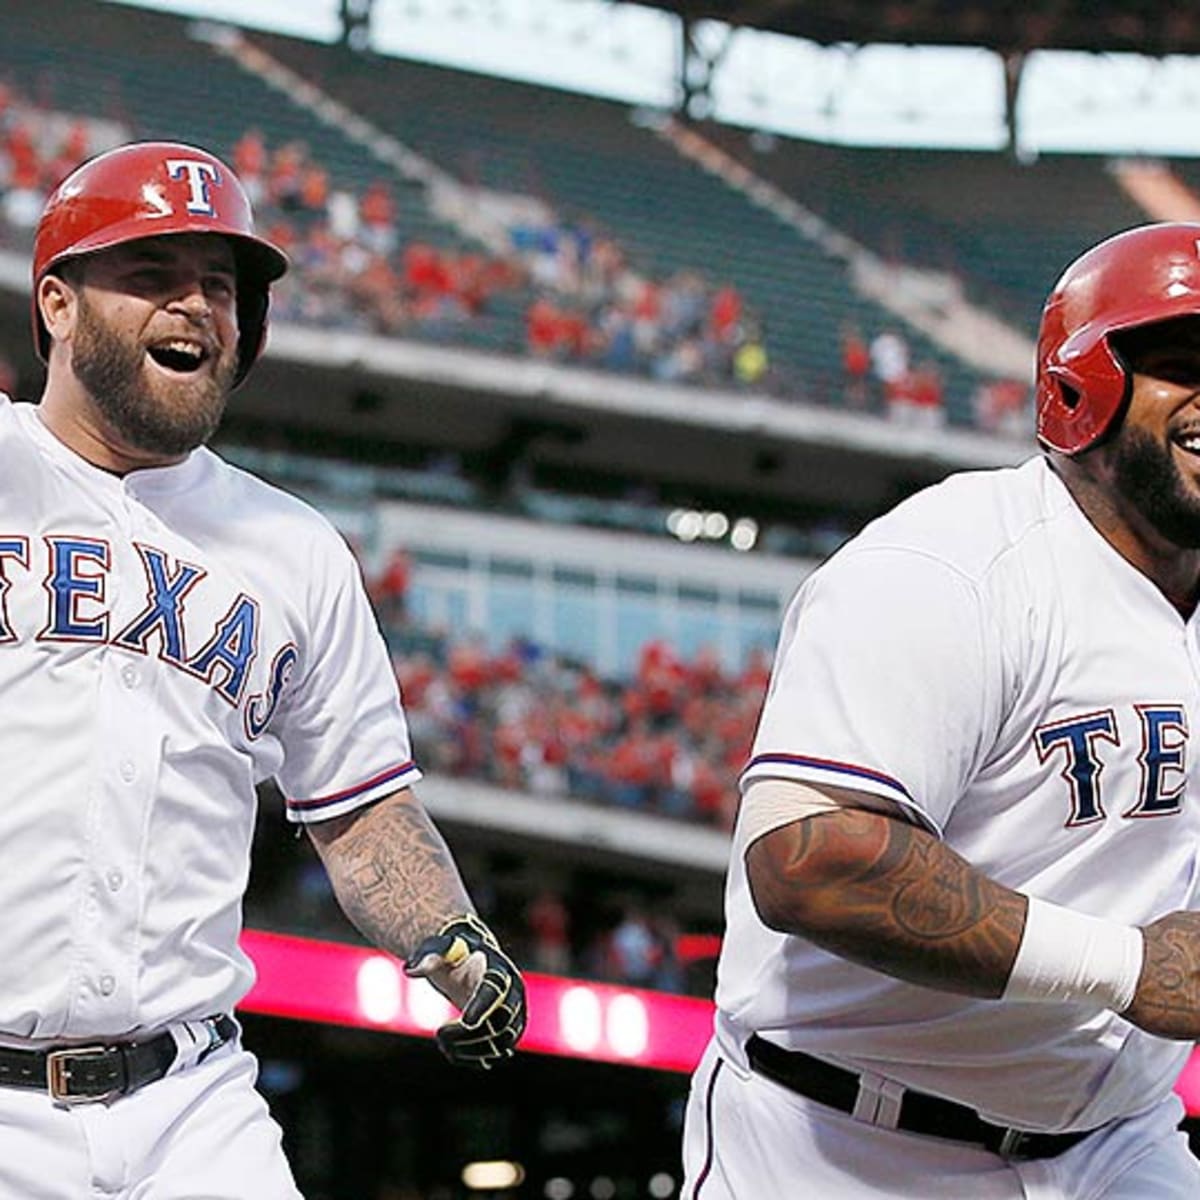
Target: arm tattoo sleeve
393 874
1168 996
887 895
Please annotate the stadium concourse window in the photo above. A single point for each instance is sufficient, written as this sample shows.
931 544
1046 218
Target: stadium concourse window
575 615
602 618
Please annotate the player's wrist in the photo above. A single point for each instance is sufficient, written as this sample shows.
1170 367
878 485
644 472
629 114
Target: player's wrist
1069 956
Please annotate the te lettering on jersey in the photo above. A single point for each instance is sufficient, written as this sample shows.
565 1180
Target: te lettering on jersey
76 574
1080 745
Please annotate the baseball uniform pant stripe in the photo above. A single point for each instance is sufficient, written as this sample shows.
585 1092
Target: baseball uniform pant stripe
710 1133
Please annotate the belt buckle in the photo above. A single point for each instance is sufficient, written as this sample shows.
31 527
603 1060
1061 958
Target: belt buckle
58 1075
1012 1142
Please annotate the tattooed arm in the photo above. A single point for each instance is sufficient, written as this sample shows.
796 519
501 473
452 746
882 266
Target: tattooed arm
396 880
1167 1001
392 872
877 890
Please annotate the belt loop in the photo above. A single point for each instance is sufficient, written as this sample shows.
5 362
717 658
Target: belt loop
196 1040
878 1101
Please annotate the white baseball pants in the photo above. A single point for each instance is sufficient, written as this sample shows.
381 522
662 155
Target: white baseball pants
201 1134
747 1138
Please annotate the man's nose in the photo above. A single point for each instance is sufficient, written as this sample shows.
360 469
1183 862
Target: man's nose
190 298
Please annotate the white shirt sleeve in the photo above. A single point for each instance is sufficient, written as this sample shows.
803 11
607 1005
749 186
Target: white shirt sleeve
887 680
344 734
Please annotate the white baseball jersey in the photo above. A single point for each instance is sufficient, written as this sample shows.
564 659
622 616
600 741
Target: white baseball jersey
167 640
983 657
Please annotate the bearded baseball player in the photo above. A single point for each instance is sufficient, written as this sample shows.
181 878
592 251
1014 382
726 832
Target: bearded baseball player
961 960
172 632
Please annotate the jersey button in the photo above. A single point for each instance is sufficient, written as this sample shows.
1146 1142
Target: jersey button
115 880
128 771
108 985
129 676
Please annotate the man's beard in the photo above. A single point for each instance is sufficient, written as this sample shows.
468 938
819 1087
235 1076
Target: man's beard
1148 477
170 419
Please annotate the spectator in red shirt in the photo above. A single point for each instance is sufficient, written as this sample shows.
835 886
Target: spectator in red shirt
314 188
725 313
390 590
549 927
250 164
377 217
287 168
468 663
856 368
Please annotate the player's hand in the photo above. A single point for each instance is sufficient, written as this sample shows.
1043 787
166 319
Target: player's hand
464 962
1167 1000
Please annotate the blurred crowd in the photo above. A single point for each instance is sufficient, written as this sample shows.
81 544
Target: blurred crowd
565 290
593 307
352 267
38 147
671 740
358 265
880 375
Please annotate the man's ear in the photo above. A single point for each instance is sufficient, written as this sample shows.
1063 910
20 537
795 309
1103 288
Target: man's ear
57 302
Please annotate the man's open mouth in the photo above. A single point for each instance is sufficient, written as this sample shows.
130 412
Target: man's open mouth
179 355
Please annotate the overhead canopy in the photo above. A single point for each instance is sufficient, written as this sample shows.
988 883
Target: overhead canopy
1150 27
1147 27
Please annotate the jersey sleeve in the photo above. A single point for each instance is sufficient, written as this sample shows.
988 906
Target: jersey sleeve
887 680
344 734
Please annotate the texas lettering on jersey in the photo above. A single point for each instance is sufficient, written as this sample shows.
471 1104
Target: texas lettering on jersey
221 655
1077 743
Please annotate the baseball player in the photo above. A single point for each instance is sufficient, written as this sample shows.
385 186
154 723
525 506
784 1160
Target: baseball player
961 959
172 632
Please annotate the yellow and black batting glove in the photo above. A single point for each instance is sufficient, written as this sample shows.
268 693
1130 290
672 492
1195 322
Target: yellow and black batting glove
464 959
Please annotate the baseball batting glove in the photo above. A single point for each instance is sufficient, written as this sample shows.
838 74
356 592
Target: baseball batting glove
464 957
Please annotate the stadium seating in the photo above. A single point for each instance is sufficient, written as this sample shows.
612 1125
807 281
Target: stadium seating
1007 228
146 71
596 163
598 160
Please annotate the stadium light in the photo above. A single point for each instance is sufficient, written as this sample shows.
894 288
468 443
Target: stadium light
492 1176
744 534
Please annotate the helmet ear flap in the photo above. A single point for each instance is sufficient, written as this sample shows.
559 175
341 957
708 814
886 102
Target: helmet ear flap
1078 404
252 304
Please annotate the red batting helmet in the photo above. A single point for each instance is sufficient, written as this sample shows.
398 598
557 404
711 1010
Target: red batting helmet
145 189
1139 277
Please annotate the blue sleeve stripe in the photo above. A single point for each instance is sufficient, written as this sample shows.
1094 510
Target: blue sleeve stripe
392 773
832 766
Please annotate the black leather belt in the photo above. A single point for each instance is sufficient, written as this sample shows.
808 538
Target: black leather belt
919 1113
87 1074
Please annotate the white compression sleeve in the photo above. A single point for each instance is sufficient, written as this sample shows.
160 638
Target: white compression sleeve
772 803
1070 956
